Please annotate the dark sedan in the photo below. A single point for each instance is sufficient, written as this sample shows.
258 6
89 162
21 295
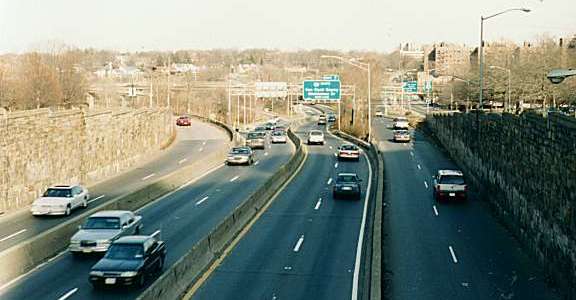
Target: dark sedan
130 261
347 185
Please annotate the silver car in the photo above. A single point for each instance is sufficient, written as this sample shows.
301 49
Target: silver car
102 228
256 140
240 155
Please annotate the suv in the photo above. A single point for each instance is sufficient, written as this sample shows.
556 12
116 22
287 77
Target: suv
256 140
450 184
102 228
60 200
315 137
347 184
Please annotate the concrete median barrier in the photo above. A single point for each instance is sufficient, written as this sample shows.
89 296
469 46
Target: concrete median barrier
25 256
189 268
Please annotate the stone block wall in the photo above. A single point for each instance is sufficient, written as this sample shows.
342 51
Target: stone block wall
39 148
526 167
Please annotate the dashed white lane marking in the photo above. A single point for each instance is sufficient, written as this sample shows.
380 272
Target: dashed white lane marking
203 143
97 198
270 147
335 154
67 295
202 200
12 235
257 162
426 184
201 149
336 165
454 259
265 153
412 153
299 243
330 147
182 161
435 210
329 181
419 167
318 204
149 176
234 179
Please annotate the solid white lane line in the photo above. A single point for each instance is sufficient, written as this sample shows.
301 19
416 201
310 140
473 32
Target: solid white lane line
97 198
265 153
329 181
234 179
336 165
149 176
318 204
203 143
12 235
426 184
419 168
257 162
202 200
454 259
182 161
67 295
435 210
299 243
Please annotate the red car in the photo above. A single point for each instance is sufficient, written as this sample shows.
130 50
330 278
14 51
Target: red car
183 121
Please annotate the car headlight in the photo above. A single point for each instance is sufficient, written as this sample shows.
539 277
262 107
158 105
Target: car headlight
103 242
128 274
96 273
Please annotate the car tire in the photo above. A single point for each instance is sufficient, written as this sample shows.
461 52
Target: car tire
137 231
84 203
160 265
141 280
68 210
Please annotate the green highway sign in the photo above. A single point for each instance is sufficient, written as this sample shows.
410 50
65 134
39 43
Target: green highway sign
410 87
327 90
331 77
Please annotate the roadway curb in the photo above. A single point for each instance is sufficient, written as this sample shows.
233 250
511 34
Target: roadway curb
24 257
185 272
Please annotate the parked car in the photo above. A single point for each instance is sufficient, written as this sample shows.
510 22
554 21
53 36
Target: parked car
347 185
102 228
400 123
279 137
256 140
450 184
322 120
130 261
240 155
60 200
315 137
348 151
183 121
401 135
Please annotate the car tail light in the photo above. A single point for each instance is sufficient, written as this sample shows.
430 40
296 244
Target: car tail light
465 187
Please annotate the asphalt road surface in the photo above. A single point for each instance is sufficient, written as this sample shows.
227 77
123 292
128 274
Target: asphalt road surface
446 250
184 217
304 245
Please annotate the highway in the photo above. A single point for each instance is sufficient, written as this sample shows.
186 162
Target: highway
304 245
445 250
184 217
190 145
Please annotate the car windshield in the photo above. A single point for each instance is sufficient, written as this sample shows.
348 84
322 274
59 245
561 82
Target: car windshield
253 135
348 147
451 179
260 129
125 251
102 223
346 179
278 133
402 132
240 151
58 193
315 133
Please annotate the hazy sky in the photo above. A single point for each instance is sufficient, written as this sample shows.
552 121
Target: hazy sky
290 24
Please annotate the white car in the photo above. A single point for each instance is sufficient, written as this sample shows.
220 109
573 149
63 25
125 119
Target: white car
379 114
315 137
348 151
401 123
279 137
60 200
450 184
401 135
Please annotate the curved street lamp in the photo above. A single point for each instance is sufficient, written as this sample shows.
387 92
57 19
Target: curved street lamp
481 52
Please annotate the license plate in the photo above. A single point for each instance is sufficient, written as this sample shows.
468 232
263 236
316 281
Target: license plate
86 250
452 194
110 280
347 188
